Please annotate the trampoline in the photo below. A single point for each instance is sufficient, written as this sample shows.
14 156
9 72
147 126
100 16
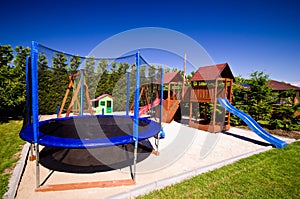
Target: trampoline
117 137
90 131
94 159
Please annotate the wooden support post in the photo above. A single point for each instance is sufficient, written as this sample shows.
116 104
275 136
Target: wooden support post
215 105
66 95
141 93
230 100
73 100
70 86
191 111
226 89
88 98
169 96
230 91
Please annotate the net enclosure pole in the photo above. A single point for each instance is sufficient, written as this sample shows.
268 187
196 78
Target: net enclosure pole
27 119
161 96
136 112
35 105
28 92
162 133
127 92
82 91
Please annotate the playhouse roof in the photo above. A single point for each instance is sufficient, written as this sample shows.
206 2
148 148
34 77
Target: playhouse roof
101 97
212 72
281 86
172 77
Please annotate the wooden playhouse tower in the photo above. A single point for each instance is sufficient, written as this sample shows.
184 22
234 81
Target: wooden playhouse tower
207 84
173 82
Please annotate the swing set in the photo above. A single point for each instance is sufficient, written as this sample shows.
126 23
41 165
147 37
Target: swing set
83 89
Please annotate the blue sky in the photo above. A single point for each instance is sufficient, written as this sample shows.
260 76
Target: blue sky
249 35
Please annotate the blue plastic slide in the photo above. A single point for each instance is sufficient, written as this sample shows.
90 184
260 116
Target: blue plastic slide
252 124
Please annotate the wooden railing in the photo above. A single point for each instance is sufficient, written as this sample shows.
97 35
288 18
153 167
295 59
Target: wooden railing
202 94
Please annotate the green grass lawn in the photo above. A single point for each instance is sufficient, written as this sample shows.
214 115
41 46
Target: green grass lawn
273 174
11 144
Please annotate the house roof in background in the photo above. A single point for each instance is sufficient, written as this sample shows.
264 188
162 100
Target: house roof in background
281 86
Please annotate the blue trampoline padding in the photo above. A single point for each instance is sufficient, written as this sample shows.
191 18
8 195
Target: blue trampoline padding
152 128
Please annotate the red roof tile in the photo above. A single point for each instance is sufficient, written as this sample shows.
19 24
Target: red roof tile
212 72
172 77
281 86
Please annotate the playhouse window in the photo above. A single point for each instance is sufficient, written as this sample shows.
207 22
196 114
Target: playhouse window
108 104
102 103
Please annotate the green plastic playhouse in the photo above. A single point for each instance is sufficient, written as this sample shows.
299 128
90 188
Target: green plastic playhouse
103 104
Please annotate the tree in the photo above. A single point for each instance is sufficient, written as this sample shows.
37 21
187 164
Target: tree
103 77
45 76
259 102
53 82
255 100
90 75
239 99
283 115
118 85
12 80
18 87
75 62
6 57
260 99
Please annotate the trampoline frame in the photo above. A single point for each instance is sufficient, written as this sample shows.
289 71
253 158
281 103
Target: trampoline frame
33 108
47 139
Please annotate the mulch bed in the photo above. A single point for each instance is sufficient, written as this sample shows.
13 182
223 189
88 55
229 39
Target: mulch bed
285 133
280 132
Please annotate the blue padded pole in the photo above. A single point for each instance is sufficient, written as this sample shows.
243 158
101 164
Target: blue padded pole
136 101
82 92
34 89
136 112
127 92
35 106
28 100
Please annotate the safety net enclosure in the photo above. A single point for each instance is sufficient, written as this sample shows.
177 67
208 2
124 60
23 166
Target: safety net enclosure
91 102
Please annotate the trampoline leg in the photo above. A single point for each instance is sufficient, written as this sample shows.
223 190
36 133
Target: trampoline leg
134 164
156 145
37 166
31 157
154 152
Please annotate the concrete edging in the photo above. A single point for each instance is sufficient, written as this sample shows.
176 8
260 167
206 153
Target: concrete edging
17 173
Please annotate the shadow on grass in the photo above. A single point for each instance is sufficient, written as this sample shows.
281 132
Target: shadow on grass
6 119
